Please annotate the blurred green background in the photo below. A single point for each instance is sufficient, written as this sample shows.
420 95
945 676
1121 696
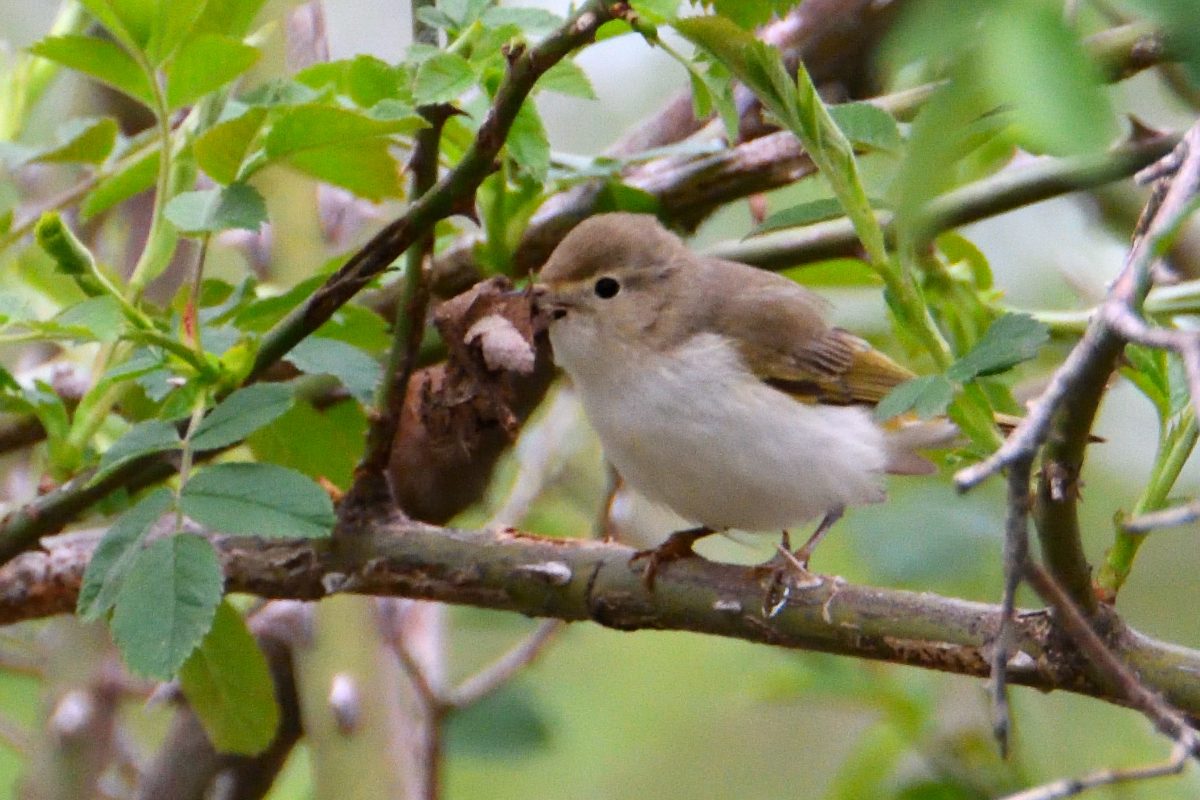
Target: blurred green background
635 715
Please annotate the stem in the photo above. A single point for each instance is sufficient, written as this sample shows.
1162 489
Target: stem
1173 454
159 236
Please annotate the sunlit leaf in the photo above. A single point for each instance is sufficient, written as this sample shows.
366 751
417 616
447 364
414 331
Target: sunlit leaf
222 149
228 683
442 78
101 59
133 179
205 64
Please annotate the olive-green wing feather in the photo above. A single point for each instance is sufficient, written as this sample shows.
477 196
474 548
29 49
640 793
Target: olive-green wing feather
781 331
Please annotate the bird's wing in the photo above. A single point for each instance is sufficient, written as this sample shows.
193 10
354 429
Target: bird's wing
780 329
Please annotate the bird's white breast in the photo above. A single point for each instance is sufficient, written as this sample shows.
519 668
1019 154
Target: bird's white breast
695 430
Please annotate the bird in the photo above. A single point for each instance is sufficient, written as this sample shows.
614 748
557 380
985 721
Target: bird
721 390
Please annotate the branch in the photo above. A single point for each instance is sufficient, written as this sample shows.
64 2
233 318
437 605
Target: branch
579 580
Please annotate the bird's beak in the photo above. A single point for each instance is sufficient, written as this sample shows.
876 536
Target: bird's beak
547 304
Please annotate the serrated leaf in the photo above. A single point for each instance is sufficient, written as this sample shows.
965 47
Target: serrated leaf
442 78
567 77
100 59
867 125
114 556
927 396
1008 341
354 368
166 604
322 444
133 179
258 500
238 205
228 683
241 414
1148 372
318 127
527 142
205 64
370 80
367 169
222 149
144 438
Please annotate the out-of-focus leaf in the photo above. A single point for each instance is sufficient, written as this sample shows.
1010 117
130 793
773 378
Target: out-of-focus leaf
1148 372
367 168
241 414
510 722
370 80
144 438
527 142
357 370
166 604
133 179
130 21
222 149
534 21
1034 64
928 396
1009 340
83 141
258 500
657 11
228 683
101 59
835 272
867 125
97 318
280 92
959 250
230 17
205 64
442 78
617 196
238 205
801 214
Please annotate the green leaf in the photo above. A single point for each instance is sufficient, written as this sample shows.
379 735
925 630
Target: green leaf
959 250
834 272
166 604
114 556
119 187
747 14
527 142
144 438
657 11
1008 341
927 396
321 444
617 196
318 127
868 125
205 64
355 369
370 80
230 17
172 24
258 500
505 724
99 319
802 214
130 21
536 21
222 149
238 205
1148 372
85 140
442 78
567 77
241 414
228 683
102 60
1034 64
367 168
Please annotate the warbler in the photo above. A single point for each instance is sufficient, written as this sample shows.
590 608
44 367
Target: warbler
721 390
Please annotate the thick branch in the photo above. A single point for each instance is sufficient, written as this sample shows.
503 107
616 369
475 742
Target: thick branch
578 580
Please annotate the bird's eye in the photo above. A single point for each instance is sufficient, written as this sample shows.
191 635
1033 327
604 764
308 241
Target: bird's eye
607 288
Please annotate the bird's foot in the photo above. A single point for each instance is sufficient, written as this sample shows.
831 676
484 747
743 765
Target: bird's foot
785 573
677 546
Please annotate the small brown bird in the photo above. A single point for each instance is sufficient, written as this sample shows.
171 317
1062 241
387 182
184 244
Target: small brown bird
719 389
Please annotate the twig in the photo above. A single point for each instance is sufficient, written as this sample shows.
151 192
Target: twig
1069 787
1016 554
500 671
1168 518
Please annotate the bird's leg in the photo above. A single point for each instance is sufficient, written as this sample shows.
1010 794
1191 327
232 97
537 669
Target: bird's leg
789 570
805 553
678 545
